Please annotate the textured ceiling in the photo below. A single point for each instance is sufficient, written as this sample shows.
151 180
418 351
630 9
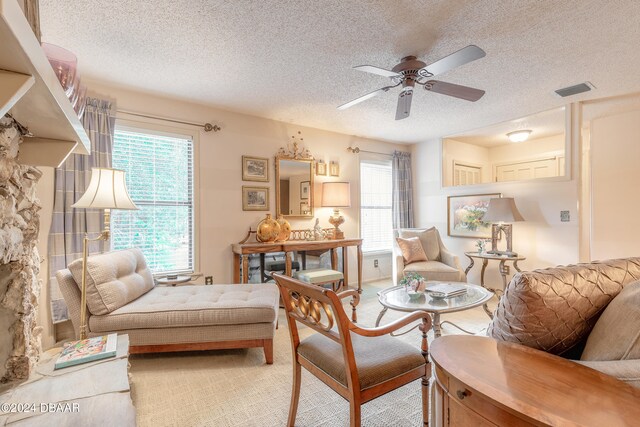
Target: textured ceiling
291 60
542 125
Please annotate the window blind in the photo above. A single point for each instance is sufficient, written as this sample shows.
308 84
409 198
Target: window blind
376 227
159 174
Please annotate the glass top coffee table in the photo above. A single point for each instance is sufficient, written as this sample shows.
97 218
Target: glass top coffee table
396 298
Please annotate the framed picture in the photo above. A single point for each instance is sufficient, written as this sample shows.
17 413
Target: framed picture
304 208
255 169
465 213
255 198
304 190
321 168
334 169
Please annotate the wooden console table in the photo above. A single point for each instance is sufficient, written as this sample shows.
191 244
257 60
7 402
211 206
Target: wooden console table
483 382
504 268
241 252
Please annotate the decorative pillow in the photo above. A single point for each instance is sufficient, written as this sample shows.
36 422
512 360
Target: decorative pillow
411 249
114 279
616 335
555 309
428 238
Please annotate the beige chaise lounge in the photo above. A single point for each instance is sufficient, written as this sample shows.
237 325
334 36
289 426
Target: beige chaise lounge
122 297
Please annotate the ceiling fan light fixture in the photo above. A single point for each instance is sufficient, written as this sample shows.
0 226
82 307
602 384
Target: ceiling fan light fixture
519 135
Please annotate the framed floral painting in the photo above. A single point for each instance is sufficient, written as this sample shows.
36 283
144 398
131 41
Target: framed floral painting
465 213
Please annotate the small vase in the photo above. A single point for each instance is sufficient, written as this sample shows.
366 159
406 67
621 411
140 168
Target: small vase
285 229
268 230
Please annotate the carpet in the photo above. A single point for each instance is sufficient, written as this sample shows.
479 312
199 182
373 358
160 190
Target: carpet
236 388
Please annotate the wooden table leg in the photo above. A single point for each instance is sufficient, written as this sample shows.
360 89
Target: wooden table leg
515 265
334 259
345 267
359 269
287 264
236 268
262 268
504 271
245 269
424 328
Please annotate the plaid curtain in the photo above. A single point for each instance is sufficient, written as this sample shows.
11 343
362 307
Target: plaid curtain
402 205
69 225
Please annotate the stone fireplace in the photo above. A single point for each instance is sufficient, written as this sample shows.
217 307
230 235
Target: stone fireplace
19 259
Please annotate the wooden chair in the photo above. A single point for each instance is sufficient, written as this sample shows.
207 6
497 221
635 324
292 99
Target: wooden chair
360 364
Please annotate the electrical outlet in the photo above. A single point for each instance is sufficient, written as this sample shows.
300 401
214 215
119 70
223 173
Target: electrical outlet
375 263
565 216
208 280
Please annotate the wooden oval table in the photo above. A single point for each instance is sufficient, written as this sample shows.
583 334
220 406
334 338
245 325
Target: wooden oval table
484 382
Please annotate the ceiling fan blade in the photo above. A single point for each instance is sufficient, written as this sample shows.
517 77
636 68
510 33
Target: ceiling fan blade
457 91
377 70
404 104
456 59
364 97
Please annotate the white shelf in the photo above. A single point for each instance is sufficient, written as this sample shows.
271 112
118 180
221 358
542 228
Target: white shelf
31 93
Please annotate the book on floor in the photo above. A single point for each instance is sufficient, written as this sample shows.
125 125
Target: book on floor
88 350
447 289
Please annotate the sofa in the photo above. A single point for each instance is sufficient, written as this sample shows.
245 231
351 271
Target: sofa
441 265
122 297
588 312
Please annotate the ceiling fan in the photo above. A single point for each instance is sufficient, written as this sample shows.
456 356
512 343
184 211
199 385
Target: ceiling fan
411 71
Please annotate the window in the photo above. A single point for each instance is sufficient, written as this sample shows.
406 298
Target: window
376 227
159 173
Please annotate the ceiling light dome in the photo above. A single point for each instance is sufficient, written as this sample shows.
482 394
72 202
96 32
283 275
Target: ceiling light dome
519 135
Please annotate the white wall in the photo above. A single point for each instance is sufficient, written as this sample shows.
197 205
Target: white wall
459 151
615 173
542 238
222 221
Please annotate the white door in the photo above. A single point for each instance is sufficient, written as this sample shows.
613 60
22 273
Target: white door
466 174
527 170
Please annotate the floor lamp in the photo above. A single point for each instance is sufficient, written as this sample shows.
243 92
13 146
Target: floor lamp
107 190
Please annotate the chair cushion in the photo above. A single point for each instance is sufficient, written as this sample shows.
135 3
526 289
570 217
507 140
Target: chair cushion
411 249
318 275
429 239
434 270
616 334
113 279
555 309
193 305
378 359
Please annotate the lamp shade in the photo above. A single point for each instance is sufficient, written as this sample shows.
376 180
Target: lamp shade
336 195
502 210
107 190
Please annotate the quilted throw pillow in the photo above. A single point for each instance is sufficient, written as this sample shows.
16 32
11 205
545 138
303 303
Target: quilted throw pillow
555 309
411 249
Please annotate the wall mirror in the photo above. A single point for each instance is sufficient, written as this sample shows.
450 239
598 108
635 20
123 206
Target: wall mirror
528 148
294 187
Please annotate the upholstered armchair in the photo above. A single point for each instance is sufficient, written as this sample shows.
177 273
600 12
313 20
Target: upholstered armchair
441 264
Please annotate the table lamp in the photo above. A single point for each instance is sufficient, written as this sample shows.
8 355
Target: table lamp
502 212
336 195
107 190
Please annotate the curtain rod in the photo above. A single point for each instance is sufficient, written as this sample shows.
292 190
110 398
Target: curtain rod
356 150
208 127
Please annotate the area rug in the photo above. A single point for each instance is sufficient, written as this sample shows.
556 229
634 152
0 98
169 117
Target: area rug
236 388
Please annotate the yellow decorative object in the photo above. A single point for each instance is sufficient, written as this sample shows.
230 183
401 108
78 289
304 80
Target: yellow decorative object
268 230
285 229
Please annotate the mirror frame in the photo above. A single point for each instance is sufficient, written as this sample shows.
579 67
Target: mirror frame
569 117
295 158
